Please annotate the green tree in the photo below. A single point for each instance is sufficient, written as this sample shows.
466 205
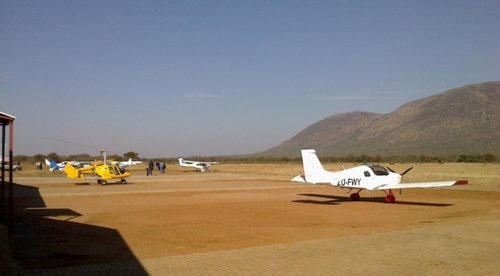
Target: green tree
54 156
488 157
38 157
114 157
131 154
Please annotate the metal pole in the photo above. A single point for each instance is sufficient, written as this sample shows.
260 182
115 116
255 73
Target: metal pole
104 156
11 179
2 188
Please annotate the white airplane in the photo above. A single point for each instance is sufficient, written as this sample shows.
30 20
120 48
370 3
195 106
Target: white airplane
202 166
54 166
129 162
364 177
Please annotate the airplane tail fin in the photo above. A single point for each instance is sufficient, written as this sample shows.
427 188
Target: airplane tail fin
313 170
52 164
181 161
72 172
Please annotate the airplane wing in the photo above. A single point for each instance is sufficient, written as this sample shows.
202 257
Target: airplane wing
421 185
206 164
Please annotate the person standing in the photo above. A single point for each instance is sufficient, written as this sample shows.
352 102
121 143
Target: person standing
150 167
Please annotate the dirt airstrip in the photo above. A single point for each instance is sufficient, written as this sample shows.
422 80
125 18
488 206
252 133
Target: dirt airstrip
61 223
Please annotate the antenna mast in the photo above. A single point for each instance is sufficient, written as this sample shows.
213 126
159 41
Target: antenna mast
103 153
340 162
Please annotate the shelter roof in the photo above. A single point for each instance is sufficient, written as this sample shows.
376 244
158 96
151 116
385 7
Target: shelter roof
6 118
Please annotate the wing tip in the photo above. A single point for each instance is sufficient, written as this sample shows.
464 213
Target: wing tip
461 182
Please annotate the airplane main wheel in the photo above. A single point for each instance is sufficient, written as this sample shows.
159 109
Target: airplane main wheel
355 196
104 182
123 181
390 199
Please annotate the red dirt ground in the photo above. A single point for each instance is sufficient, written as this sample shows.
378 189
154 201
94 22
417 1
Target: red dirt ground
63 224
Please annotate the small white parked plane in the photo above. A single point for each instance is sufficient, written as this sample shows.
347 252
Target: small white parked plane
202 166
54 166
364 177
124 164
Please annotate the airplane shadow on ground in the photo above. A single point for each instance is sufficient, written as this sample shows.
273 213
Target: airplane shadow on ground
335 199
47 238
87 183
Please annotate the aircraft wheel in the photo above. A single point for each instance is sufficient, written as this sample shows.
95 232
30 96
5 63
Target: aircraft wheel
355 196
390 199
123 181
104 182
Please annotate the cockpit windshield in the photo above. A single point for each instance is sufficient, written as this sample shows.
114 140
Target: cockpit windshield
378 170
116 170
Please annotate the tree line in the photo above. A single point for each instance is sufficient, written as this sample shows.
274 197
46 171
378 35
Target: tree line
423 158
78 157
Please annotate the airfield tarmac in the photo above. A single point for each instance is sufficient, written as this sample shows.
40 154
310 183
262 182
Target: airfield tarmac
223 223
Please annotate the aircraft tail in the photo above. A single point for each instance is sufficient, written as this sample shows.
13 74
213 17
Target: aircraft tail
125 164
52 164
181 161
72 172
313 170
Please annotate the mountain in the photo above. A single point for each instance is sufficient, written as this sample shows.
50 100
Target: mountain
463 120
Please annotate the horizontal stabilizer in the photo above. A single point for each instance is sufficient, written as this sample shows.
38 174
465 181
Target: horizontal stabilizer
299 178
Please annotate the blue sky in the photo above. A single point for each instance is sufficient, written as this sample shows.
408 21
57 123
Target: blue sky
182 78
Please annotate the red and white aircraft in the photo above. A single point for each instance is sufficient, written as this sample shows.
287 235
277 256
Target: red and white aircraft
364 177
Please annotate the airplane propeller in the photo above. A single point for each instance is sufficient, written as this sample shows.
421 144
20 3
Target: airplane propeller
407 170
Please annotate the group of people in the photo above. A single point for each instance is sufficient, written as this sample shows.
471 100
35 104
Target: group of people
160 166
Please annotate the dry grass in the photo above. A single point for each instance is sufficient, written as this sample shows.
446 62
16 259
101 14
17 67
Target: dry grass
480 176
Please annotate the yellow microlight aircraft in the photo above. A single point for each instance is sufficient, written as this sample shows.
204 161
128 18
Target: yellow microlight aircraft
103 172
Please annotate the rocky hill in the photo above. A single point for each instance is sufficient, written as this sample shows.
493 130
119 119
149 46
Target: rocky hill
464 120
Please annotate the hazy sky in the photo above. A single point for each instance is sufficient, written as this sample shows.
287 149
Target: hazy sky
182 78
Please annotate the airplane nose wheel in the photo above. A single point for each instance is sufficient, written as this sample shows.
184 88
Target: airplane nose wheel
390 198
